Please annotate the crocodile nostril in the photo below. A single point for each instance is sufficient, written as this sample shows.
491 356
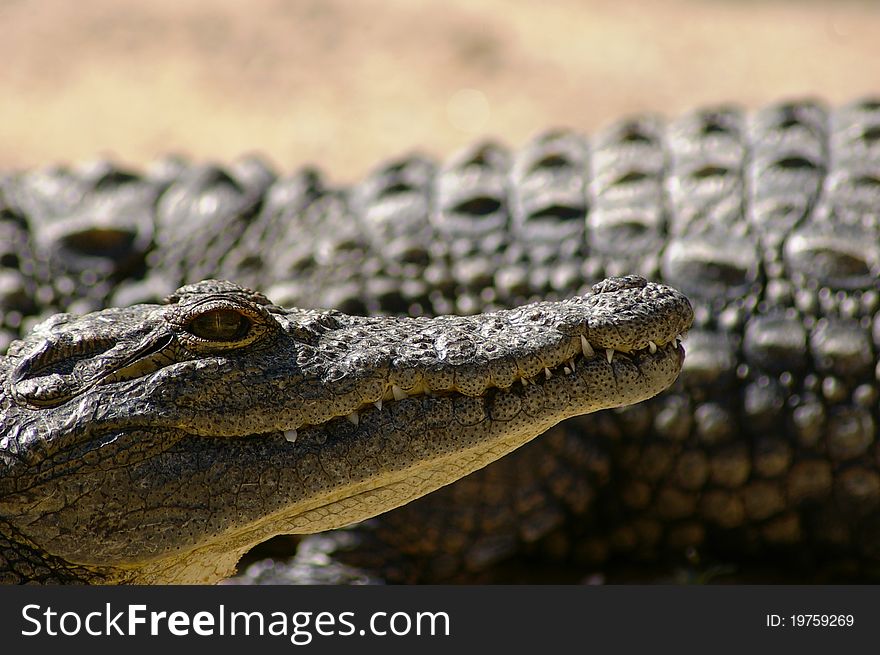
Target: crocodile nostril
613 284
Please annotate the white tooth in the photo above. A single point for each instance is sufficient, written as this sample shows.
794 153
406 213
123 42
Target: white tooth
399 394
652 347
378 404
567 370
353 418
290 435
547 373
678 340
571 364
586 347
525 382
609 354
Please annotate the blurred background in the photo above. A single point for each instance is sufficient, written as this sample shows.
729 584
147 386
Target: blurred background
345 84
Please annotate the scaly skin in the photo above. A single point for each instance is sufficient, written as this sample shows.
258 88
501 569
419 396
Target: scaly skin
765 451
157 444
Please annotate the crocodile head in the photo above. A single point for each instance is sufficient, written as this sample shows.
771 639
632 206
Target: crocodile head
157 443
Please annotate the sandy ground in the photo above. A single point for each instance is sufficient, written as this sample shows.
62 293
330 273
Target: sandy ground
345 84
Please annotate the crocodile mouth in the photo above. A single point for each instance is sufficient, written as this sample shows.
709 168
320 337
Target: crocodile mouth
567 367
48 380
429 462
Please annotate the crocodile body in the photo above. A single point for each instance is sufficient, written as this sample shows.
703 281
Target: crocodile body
765 450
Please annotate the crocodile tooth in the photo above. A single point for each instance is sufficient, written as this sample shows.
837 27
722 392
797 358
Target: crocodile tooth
290 435
609 354
378 404
652 347
567 370
399 394
571 364
547 373
353 418
586 347
525 382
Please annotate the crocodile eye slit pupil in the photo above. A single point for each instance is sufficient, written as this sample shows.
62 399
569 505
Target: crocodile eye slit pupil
220 325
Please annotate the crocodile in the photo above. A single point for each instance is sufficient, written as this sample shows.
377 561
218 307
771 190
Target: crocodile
157 444
764 452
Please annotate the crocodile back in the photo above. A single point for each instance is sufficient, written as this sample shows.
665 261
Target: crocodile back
768 220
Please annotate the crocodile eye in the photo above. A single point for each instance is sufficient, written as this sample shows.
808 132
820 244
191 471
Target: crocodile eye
219 322
220 325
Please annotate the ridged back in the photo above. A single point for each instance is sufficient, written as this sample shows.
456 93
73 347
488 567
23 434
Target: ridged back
769 221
